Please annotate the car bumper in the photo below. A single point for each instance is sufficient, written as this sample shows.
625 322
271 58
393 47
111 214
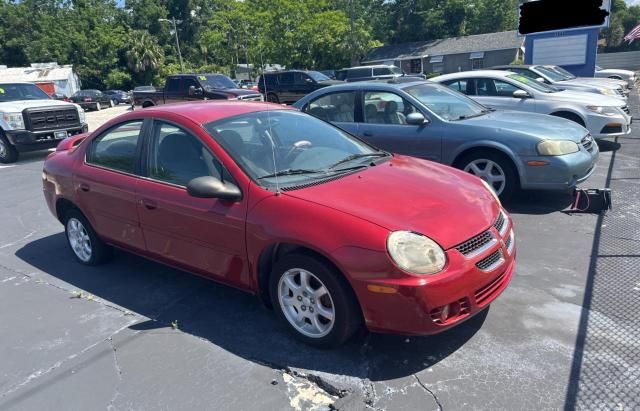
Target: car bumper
415 305
559 172
605 126
25 140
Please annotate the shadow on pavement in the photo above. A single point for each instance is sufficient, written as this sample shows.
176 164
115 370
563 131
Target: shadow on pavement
606 145
538 202
236 321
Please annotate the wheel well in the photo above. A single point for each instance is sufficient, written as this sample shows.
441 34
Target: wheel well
147 104
569 116
270 257
62 207
457 163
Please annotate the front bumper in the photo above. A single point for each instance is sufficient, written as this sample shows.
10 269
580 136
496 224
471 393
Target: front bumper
560 172
25 140
417 304
605 126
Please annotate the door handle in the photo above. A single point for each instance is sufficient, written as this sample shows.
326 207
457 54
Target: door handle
85 187
149 204
367 134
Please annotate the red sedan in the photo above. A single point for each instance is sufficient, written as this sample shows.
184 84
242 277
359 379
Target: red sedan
331 232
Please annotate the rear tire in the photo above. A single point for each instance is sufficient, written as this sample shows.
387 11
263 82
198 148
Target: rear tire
306 306
491 165
273 98
8 153
83 241
111 104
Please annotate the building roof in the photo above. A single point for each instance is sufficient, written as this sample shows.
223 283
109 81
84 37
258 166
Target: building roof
505 40
36 73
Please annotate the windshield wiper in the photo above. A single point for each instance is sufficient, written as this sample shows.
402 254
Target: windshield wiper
355 157
482 113
290 172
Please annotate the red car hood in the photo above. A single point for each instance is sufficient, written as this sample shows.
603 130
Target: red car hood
406 193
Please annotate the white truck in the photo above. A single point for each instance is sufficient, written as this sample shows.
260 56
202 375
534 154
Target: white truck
30 120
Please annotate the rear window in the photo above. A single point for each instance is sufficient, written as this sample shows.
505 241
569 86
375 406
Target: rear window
381 71
358 73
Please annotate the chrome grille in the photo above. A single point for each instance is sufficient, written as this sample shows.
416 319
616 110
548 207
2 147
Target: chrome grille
587 142
476 243
491 262
499 224
39 119
251 97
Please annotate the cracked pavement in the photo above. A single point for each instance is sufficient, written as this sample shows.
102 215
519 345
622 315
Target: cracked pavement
134 334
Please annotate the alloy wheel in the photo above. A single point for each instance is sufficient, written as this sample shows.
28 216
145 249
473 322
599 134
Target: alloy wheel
79 239
489 171
306 303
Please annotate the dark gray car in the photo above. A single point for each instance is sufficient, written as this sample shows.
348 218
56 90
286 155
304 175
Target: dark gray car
507 149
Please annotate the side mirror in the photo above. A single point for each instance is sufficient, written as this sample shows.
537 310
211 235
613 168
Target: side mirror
211 187
309 81
541 80
195 91
417 119
521 94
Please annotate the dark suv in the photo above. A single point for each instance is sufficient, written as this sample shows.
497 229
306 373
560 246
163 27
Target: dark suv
291 85
366 73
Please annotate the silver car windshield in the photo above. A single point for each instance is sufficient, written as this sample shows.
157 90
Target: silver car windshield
534 84
289 147
552 74
563 72
446 103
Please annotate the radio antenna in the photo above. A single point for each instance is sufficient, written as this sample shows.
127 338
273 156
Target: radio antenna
270 133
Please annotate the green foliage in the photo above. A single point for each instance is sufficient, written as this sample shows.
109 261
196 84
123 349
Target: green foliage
623 20
118 79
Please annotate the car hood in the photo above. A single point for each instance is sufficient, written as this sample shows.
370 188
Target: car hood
406 193
15 106
585 98
627 73
592 81
535 125
330 82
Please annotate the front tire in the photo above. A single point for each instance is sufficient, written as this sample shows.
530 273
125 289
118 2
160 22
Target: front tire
111 104
8 153
494 168
98 106
314 300
85 244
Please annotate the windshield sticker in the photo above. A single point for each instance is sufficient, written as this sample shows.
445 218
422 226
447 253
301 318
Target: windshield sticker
203 78
1 90
521 79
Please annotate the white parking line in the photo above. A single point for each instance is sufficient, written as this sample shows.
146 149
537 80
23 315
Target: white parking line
6 166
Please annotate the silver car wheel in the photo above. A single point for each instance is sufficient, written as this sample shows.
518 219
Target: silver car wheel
489 171
79 239
306 303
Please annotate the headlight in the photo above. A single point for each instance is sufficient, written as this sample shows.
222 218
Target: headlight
14 120
557 147
606 111
81 115
492 191
608 92
416 253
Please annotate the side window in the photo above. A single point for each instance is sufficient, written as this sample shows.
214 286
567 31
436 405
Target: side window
335 107
300 78
188 82
504 89
381 71
457 85
116 148
485 87
359 73
382 107
285 78
173 84
178 157
477 64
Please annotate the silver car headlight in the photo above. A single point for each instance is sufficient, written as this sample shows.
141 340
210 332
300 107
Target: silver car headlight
608 92
14 120
557 147
81 115
416 253
605 110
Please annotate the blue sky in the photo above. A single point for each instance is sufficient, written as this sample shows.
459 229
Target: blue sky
632 2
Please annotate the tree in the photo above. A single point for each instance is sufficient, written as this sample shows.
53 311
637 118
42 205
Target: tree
144 55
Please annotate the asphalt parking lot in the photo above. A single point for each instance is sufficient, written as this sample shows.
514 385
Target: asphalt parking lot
137 335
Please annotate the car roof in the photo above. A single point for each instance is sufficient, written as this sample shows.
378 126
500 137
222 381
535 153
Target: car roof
507 66
203 112
378 84
366 67
475 73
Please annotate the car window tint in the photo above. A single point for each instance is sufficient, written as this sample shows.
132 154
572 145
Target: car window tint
357 73
381 71
173 84
457 85
116 148
485 87
386 108
504 89
188 82
336 107
178 157
300 78
285 78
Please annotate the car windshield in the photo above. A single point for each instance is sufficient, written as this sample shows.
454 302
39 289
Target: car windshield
552 74
534 84
317 76
446 103
288 147
17 91
216 81
563 72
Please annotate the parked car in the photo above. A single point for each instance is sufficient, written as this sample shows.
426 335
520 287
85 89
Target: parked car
549 76
616 74
31 120
291 85
602 116
119 96
368 73
190 87
507 149
617 84
92 99
144 88
60 96
330 231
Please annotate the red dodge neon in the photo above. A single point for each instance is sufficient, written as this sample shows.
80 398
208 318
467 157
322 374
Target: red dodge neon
331 232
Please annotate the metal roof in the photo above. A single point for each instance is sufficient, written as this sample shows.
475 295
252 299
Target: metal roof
505 40
36 73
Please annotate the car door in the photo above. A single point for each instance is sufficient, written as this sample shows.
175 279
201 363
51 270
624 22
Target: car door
302 85
201 235
383 124
498 94
105 184
285 87
173 91
339 108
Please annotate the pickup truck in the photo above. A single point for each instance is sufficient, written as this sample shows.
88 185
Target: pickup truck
188 87
31 120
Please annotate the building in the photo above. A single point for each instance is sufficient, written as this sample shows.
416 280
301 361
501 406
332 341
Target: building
450 55
62 79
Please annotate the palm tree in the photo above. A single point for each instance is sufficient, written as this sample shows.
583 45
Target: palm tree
144 55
